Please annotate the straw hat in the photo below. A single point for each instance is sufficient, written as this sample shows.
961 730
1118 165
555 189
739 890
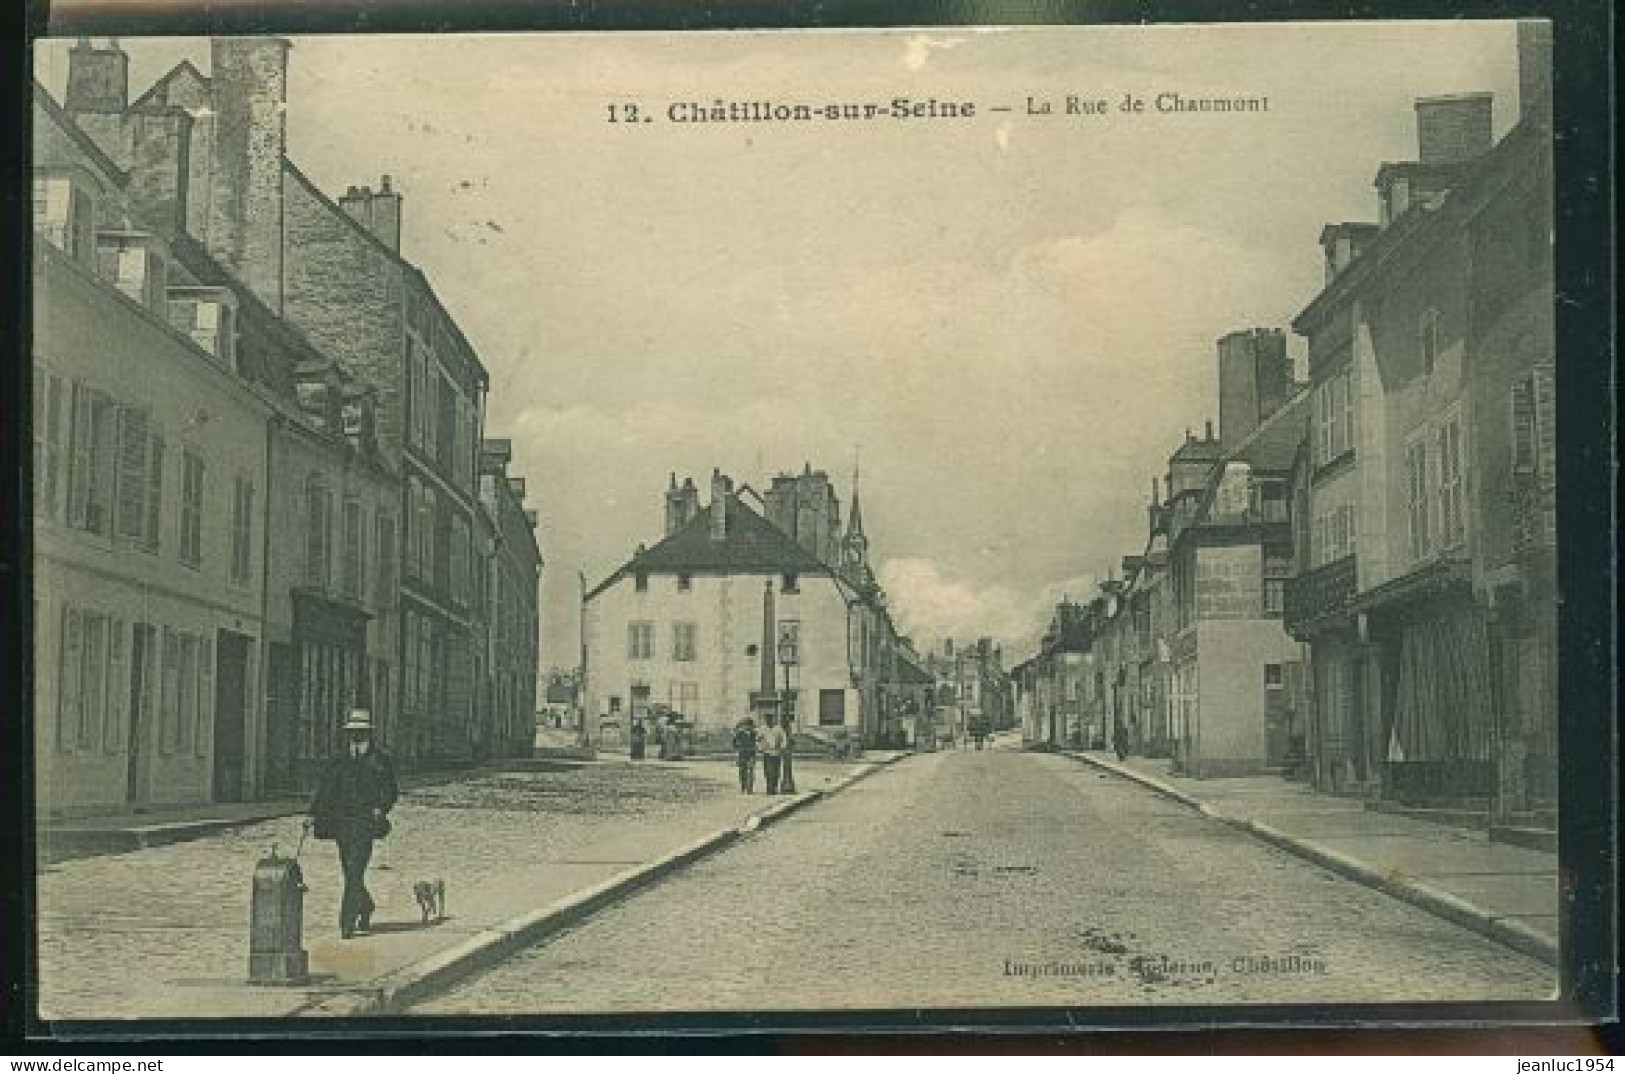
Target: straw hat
360 720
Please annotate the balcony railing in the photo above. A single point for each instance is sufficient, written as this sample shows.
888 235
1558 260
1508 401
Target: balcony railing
1321 592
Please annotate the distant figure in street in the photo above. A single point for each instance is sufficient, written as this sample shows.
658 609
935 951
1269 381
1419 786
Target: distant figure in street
771 742
1120 740
787 775
744 744
662 739
639 738
351 807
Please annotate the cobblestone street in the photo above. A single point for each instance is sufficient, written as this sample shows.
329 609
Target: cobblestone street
999 878
163 932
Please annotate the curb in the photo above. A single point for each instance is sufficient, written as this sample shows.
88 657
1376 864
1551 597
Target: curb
1452 908
419 980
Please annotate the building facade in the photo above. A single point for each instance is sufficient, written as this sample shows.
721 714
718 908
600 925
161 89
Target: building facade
1429 598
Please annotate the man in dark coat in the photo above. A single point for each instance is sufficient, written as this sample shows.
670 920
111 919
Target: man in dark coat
351 808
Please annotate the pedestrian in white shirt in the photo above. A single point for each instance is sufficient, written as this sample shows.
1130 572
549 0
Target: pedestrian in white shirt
772 743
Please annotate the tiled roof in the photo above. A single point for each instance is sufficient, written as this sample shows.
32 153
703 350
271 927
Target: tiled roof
1272 445
751 545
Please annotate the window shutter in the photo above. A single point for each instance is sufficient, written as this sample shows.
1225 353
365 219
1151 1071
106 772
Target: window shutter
205 696
155 491
169 699
1523 425
70 699
132 472
1545 420
79 463
117 688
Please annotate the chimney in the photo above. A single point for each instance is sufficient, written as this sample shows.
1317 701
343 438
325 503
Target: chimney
250 79
1534 67
674 506
386 215
721 493
1208 437
98 78
1255 379
1453 128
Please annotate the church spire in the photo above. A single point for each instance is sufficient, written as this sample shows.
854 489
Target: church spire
856 545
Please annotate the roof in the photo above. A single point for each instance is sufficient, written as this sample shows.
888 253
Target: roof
1200 450
751 545
1272 445
82 141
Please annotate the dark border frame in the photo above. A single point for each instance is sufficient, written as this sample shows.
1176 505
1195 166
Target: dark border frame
1584 130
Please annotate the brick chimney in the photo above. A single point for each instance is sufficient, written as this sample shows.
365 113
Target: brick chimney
250 79
98 78
721 493
1454 127
1255 379
378 211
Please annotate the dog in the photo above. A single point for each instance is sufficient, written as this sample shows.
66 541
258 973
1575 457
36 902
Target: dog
431 896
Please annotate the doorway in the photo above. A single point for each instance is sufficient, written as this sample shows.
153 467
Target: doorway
230 715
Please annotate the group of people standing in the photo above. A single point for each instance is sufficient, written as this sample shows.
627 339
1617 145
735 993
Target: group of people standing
775 742
668 740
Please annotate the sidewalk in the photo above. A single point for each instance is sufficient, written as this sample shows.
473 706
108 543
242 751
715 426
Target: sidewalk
1508 893
162 932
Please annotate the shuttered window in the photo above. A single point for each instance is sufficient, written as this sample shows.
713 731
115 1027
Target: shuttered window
70 694
1452 488
155 493
134 438
353 554
384 596
49 421
242 529
192 478
117 697
91 462
318 535
1418 502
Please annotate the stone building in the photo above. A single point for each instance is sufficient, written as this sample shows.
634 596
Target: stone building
507 586
679 626
1429 598
1229 556
150 474
206 167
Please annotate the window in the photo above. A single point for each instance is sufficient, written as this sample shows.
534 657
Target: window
1274 596
384 594
63 216
1418 501
682 641
48 436
133 443
790 583
1452 490
191 551
832 707
685 582
1273 679
1333 419
641 582
460 550
354 550
1534 431
155 492
91 467
242 529
1427 335
318 533
640 641
84 683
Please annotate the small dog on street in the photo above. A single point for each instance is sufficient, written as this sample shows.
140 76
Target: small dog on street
431 896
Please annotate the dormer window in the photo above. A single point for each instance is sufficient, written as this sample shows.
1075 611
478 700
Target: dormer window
131 262
64 215
685 582
790 583
208 315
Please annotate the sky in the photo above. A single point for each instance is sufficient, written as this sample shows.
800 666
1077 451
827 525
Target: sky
1010 320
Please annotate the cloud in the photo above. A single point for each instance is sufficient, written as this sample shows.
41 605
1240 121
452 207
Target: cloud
930 605
919 48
